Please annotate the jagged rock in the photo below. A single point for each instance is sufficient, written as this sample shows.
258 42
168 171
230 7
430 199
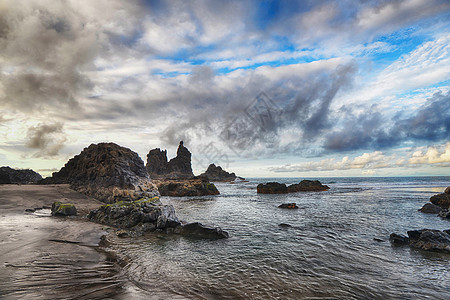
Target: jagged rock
63 209
108 172
178 167
442 200
197 230
398 239
216 173
280 188
271 188
289 205
197 186
11 176
430 208
139 216
430 240
307 186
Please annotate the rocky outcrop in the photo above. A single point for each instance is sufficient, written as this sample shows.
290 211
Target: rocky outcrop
307 186
149 215
63 209
11 176
442 200
430 208
144 215
107 172
271 188
178 167
424 239
288 205
280 188
216 173
197 186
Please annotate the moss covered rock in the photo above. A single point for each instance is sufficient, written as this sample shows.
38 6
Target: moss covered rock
63 209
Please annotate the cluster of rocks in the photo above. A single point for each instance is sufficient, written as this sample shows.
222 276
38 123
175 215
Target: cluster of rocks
149 215
12 176
216 173
107 172
196 186
281 188
178 167
175 178
424 239
439 204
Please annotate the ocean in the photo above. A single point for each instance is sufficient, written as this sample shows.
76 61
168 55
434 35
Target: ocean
336 248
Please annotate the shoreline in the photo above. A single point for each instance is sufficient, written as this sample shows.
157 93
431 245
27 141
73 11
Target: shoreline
53 257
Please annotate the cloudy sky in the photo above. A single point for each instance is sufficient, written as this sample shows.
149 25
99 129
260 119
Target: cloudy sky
262 88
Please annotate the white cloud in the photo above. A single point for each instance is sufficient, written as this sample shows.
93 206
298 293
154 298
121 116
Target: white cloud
433 155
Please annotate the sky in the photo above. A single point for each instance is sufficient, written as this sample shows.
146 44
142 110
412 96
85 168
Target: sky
262 88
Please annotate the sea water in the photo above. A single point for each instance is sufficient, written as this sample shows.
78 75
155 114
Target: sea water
337 246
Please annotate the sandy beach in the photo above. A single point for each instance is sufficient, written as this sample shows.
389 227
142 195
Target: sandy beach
44 257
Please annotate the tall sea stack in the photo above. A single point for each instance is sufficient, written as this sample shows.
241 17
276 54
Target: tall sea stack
178 167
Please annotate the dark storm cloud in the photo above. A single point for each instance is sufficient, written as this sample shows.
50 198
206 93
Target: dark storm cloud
370 130
47 138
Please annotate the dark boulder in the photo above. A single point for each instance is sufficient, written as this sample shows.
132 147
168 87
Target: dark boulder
398 239
139 216
284 225
197 186
430 208
429 240
444 213
197 230
271 188
108 172
178 167
307 186
216 173
442 200
289 205
11 176
63 209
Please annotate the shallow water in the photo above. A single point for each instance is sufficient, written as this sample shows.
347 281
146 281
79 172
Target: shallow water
329 252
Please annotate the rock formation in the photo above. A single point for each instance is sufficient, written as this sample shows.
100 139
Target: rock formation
280 188
12 176
148 215
292 205
216 173
197 186
424 239
439 205
430 208
178 167
107 172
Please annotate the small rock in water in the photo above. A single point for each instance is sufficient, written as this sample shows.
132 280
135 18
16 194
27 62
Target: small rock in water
289 205
198 230
30 210
378 240
284 225
398 239
445 213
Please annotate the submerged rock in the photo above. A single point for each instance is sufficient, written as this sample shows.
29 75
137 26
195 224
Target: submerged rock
140 216
63 209
289 205
216 173
107 172
430 208
198 230
280 188
198 186
178 167
12 176
424 239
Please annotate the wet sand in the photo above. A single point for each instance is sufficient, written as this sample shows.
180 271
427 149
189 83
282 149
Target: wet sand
44 257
